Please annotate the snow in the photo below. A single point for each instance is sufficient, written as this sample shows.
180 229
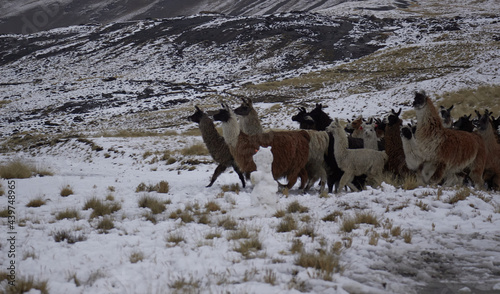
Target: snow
453 244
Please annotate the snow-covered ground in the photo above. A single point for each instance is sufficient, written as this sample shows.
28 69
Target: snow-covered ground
449 247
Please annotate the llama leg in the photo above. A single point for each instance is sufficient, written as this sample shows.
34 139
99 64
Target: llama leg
347 180
438 173
476 176
427 169
240 174
303 179
220 169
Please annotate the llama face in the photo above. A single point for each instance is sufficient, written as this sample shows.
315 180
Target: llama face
223 115
446 115
299 117
420 100
196 117
406 133
244 108
369 131
484 122
464 123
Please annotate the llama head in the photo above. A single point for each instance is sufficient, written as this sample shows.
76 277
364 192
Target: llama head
334 126
464 123
354 125
245 107
380 125
484 121
393 118
321 119
420 99
224 114
446 115
198 114
369 131
406 132
299 117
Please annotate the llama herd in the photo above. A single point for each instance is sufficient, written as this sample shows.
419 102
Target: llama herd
434 150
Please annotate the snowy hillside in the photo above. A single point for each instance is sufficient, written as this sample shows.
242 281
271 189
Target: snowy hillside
117 202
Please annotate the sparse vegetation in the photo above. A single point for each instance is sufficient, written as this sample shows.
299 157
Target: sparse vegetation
295 206
66 191
212 206
287 224
17 169
327 263
333 217
175 238
182 285
460 195
68 214
23 285
239 234
37 202
101 208
152 203
161 187
196 149
136 256
249 247
68 236
105 224
228 223
231 188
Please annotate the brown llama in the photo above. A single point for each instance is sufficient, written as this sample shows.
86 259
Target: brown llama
290 148
492 168
449 151
394 147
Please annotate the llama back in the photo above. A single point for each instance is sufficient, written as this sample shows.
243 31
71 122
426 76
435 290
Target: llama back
290 150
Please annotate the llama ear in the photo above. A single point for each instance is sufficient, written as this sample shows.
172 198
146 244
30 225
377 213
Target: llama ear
197 108
451 107
399 112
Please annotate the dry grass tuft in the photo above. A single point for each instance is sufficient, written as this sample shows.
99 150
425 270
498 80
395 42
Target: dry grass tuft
327 263
23 285
105 224
296 207
37 202
66 191
101 208
460 195
249 247
68 214
196 149
152 203
228 223
161 187
17 169
333 217
287 224
136 256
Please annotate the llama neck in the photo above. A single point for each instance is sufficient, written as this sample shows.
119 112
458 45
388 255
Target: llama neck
428 119
231 131
250 124
340 143
207 128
